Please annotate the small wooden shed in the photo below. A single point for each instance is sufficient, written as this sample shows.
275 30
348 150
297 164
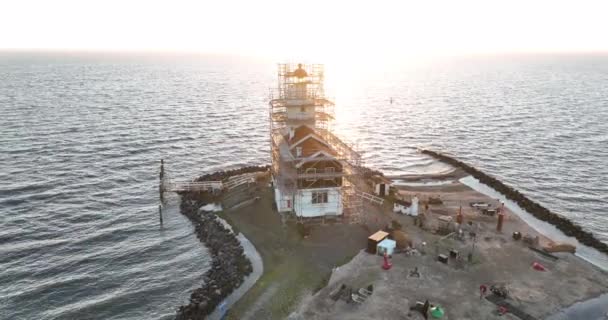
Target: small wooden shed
381 185
374 239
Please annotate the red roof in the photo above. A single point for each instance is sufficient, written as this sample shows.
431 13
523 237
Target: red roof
310 142
311 146
301 132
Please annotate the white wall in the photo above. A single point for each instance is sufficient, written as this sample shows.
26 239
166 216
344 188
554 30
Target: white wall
411 210
305 208
282 201
295 113
399 208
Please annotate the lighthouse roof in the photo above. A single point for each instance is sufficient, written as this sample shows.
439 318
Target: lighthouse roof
301 132
300 72
310 142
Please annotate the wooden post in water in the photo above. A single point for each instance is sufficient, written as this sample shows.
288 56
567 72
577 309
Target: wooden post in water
160 213
161 187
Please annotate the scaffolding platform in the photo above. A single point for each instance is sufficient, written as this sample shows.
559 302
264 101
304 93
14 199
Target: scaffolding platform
299 100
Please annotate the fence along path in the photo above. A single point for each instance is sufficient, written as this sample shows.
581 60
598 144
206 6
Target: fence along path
227 184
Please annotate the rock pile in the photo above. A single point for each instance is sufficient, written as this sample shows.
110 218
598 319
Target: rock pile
229 265
540 212
367 173
221 175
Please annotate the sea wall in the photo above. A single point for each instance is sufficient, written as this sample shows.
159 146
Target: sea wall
367 173
229 265
566 226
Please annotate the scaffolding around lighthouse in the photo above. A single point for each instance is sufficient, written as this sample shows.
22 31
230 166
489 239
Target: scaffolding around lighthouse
314 173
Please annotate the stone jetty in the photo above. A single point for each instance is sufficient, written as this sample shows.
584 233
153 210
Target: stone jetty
229 265
221 175
566 226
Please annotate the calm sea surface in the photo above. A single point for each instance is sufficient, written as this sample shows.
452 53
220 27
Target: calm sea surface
81 136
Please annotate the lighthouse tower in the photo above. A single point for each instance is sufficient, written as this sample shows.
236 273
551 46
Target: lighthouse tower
310 165
301 98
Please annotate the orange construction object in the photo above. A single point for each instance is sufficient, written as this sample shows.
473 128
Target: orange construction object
501 217
459 216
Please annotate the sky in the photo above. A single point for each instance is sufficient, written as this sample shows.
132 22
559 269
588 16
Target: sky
313 29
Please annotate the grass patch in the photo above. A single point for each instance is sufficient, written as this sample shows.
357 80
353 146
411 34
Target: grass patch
293 266
325 278
322 284
276 292
222 214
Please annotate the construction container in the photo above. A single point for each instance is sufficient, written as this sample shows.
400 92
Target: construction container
374 240
386 246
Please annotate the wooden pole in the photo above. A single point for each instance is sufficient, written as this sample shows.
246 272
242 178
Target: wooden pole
459 216
161 187
501 217
160 213
162 169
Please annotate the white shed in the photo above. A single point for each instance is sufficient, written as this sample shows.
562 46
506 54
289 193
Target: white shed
381 185
406 207
386 245
400 206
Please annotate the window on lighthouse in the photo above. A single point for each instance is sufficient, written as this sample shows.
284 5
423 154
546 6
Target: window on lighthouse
319 197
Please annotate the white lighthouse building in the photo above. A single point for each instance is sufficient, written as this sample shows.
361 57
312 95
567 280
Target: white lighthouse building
312 170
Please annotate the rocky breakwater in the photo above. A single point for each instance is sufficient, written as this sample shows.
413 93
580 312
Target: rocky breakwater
229 265
221 175
566 226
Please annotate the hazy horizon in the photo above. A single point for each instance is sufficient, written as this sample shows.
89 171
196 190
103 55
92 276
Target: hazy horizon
320 31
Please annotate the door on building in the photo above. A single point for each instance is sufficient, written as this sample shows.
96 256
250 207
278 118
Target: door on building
382 190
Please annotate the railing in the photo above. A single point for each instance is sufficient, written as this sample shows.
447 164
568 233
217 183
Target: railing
228 184
236 181
317 101
185 186
344 150
370 197
279 116
321 175
300 91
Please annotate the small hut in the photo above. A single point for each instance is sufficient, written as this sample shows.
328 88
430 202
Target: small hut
374 240
400 206
381 185
406 207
